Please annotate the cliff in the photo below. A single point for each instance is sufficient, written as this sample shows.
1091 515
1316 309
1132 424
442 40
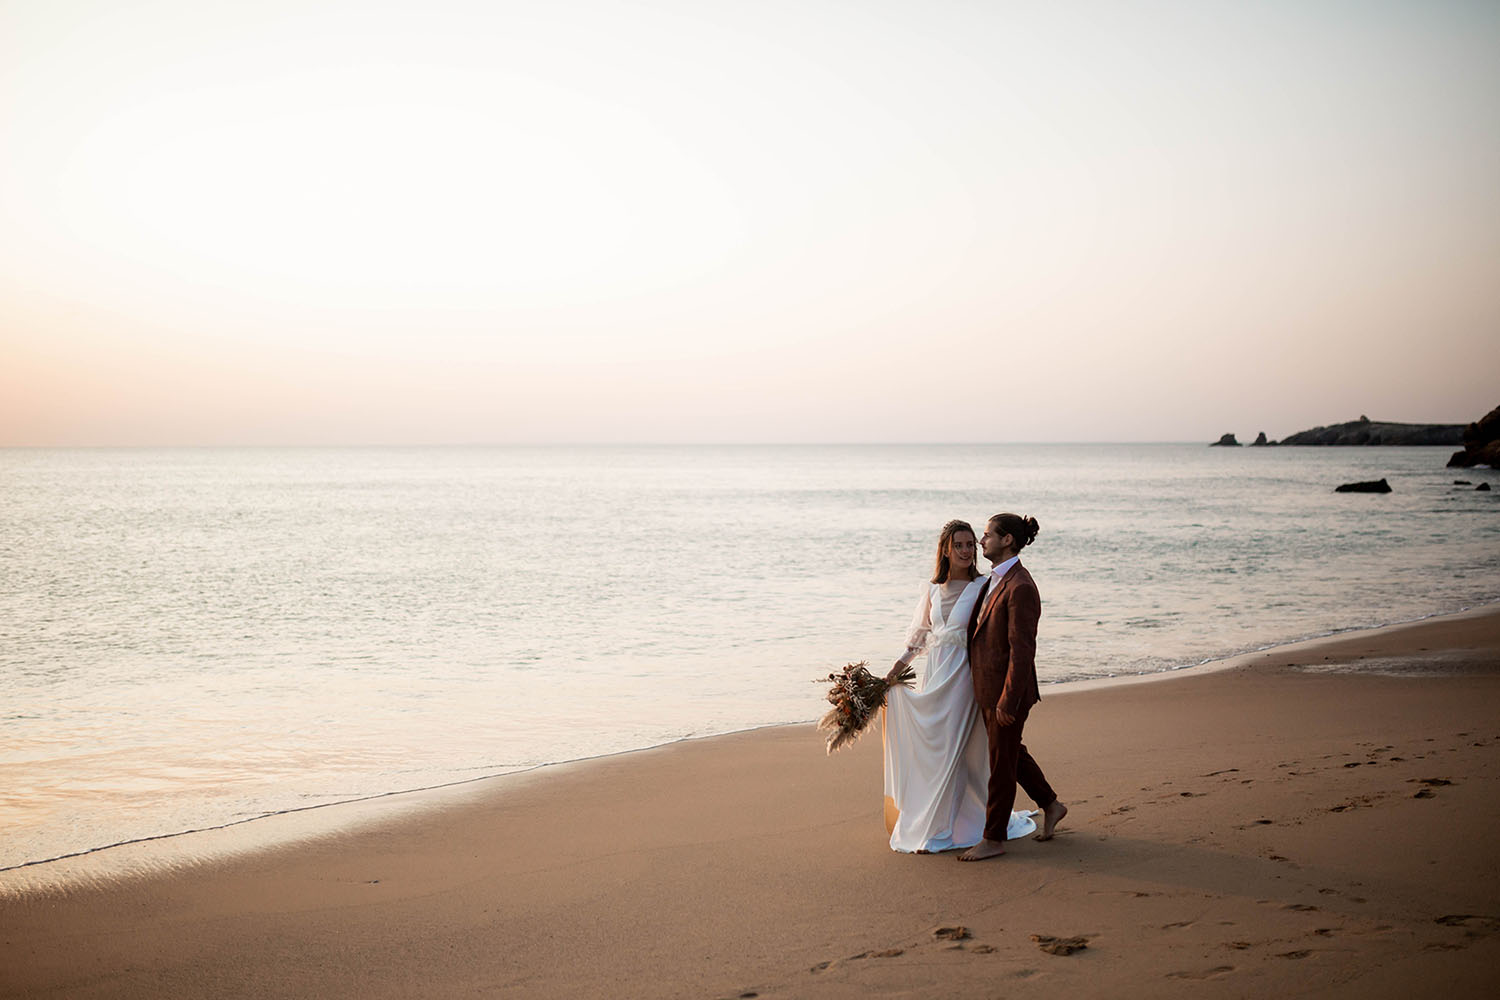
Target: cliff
1481 443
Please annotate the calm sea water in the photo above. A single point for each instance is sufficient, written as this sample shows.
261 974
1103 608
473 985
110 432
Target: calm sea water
190 638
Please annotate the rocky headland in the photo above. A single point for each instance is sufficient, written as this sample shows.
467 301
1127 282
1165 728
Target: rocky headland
1365 431
1481 441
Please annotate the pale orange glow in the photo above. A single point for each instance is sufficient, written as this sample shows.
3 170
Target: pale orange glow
464 222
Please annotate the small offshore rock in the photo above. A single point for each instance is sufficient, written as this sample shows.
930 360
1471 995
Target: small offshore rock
1260 441
1378 486
1482 488
1227 441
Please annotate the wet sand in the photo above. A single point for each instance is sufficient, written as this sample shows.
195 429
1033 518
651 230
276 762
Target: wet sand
1315 820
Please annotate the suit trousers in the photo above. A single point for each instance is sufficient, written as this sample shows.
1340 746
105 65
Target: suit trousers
1010 765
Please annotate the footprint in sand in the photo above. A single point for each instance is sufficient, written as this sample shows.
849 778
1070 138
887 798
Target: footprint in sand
1060 946
1214 973
1354 803
1179 923
1300 907
1469 921
882 953
1294 954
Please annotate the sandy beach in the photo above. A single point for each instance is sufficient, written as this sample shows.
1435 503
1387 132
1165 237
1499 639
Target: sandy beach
1314 820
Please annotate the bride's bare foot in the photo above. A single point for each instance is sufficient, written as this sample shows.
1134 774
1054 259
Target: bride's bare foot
1051 816
983 849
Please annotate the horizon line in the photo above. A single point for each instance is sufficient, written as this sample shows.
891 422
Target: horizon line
641 444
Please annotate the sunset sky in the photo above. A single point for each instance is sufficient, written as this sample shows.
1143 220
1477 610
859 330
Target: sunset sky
698 220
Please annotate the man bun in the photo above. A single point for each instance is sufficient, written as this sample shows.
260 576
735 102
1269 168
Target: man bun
1031 528
1022 529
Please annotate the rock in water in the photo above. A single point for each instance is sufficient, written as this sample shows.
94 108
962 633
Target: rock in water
1378 486
1227 441
1482 486
1260 440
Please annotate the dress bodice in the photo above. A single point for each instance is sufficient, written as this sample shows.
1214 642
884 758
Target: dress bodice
952 628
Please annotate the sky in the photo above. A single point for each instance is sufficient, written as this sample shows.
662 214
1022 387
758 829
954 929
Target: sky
455 222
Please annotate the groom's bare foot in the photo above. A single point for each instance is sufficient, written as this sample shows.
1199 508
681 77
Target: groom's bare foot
983 849
1051 816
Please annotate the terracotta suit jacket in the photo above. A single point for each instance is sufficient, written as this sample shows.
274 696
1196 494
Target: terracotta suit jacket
1002 645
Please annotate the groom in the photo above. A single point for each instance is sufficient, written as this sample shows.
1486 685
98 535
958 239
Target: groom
1002 659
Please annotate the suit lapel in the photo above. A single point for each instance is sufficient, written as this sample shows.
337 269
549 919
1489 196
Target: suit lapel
993 597
979 605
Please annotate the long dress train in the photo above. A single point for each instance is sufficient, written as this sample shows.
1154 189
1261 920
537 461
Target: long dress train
936 759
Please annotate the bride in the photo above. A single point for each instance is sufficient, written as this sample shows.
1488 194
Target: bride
936 758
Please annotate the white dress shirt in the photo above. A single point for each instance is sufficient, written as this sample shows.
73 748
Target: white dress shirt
998 573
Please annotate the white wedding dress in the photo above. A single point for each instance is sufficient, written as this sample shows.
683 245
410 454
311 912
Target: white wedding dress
937 767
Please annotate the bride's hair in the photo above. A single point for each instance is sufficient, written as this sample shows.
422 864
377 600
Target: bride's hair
1022 529
940 572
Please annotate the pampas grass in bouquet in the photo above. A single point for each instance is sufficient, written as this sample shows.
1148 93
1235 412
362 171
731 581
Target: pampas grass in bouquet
855 696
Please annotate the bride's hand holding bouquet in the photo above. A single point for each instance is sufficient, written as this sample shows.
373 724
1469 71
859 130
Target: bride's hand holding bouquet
855 696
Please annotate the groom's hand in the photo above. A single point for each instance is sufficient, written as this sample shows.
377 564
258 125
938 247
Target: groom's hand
1003 717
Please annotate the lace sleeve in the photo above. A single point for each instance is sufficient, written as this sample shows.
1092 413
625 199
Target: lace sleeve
921 627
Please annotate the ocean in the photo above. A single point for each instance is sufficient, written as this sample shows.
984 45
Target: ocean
191 638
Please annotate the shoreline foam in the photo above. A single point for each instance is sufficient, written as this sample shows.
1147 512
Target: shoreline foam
368 806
